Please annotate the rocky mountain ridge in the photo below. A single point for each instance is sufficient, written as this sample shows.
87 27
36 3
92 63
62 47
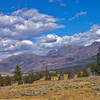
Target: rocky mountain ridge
65 57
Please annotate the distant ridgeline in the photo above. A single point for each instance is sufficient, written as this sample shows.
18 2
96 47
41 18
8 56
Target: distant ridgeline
21 78
68 57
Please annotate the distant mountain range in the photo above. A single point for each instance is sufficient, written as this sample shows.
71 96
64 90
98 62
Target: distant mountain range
66 57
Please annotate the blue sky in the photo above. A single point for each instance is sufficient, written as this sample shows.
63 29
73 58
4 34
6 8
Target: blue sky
72 7
38 26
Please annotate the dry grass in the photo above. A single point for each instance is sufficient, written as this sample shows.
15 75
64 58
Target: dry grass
76 89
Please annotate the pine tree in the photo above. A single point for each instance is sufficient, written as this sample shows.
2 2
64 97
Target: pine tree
94 68
18 74
7 80
1 81
31 78
70 75
47 74
98 57
85 73
61 76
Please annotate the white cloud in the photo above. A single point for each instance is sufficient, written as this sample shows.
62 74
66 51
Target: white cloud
52 41
78 15
17 29
24 24
98 31
28 42
49 42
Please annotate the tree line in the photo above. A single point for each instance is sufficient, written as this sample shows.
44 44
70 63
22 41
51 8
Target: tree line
21 78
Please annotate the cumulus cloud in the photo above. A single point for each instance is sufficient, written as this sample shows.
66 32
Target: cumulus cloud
78 15
24 24
52 41
48 42
17 29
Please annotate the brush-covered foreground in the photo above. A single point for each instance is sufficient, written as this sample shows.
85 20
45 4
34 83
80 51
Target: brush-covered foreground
75 89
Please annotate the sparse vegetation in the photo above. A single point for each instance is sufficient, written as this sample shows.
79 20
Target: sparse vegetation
80 74
83 73
61 76
76 89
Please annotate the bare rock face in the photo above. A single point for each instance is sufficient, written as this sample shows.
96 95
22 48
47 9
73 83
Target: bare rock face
65 57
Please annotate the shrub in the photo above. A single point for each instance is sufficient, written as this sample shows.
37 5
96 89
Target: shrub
70 75
7 81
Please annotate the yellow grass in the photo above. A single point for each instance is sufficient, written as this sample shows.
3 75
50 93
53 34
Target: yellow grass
76 89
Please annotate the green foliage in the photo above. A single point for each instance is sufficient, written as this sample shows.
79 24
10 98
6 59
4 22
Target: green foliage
18 74
95 68
1 81
98 57
39 75
61 76
7 81
30 78
47 74
85 73
70 75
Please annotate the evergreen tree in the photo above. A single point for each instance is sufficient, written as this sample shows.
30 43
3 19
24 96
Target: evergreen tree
39 75
47 74
7 80
18 74
93 68
1 81
98 57
98 70
70 75
31 77
61 76
85 73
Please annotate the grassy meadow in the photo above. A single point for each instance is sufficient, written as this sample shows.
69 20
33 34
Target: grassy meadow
74 89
